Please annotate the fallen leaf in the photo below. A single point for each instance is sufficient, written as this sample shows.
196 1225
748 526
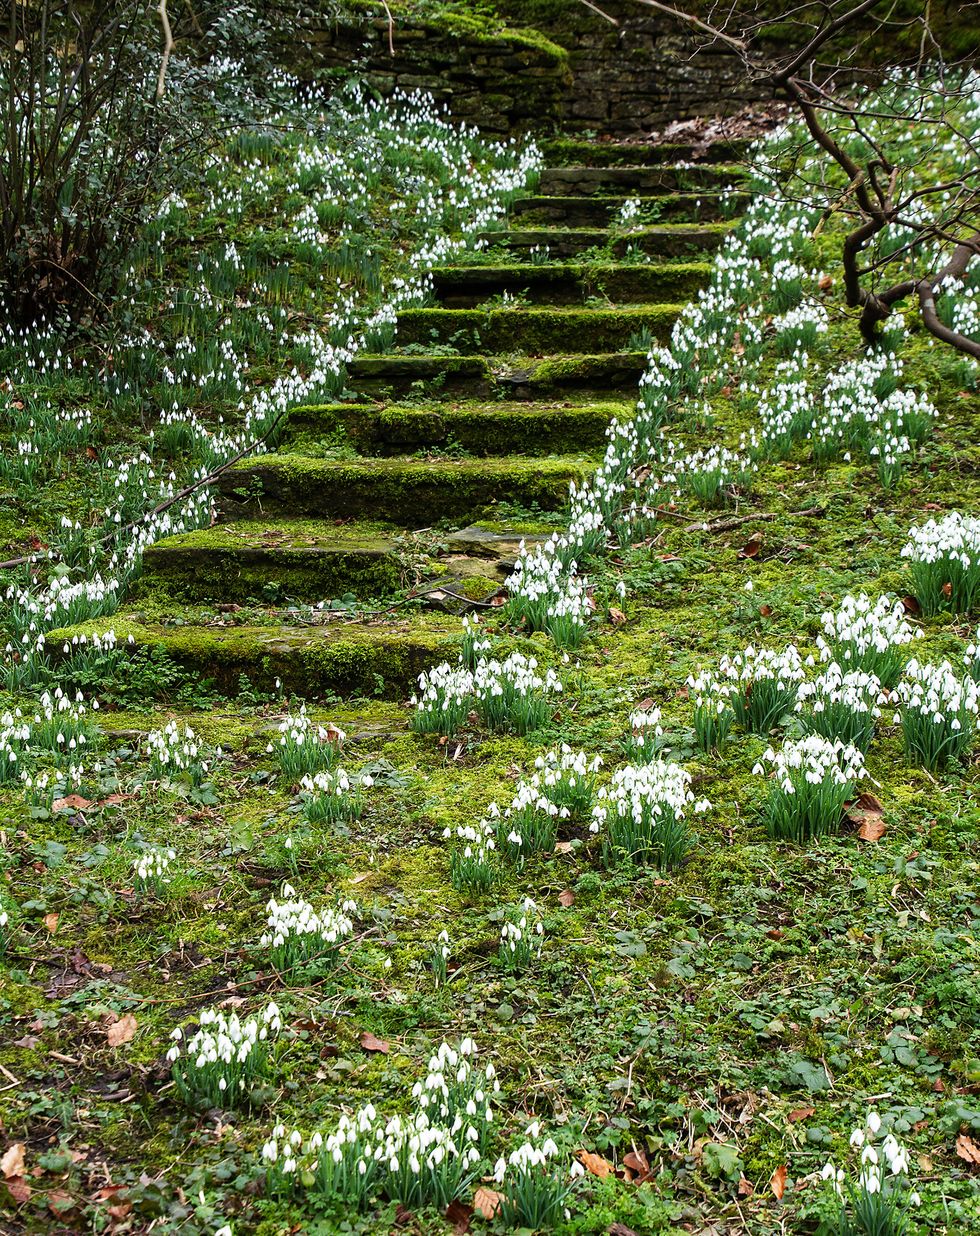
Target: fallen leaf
51 922
637 1162
745 1188
800 1113
968 1150
562 847
12 1163
947 590
620 1229
595 1163
370 1043
910 605
566 898
487 1202
616 616
19 1189
751 547
459 1215
121 1030
73 802
778 1181
867 813
765 611
825 283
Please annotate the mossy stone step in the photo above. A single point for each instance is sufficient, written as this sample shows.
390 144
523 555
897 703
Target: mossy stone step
449 374
273 560
478 428
589 212
297 560
636 181
408 492
340 658
518 378
570 283
534 331
561 151
674 240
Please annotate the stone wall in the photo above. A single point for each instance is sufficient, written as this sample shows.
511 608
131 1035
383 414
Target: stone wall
578 73
503 81
643 73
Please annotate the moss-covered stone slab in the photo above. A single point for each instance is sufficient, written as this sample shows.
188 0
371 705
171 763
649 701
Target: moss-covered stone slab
409 493
272 561
342 658
562 151
598 375
580 212
403 375
535 332
478 428
462 287
671 240
580 181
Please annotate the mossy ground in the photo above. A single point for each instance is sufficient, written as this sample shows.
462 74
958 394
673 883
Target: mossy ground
725 1020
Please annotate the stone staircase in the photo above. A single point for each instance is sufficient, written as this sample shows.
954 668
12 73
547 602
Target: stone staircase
461 441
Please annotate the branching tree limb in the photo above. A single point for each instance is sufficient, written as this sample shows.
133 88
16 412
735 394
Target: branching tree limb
814 73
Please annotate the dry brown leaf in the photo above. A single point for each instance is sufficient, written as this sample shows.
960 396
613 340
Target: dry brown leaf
968 1150
566 898
800 1113
595 1163
765 611
616 616
19 1189
12 1163
121 1030
51 922
751 547
867 813
745 1188
778 1181
370 1043
73 802
562 847
910 605
459 1215
636 1161
486 1201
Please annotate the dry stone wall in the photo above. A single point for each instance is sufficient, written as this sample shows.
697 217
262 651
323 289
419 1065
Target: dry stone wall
578 74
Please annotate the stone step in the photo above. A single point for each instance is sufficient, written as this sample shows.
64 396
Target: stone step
478 428
410 493
463 287
584 181
520 378
285 561
341 657
592 212
675 240
534 331
560 151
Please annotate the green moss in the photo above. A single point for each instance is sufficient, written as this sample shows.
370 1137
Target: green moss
350 658
535 332
413 494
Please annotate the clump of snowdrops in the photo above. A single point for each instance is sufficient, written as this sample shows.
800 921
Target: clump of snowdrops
150 869
874 1196
641 816
873 636
298 934
221 1062
535 1183
944 563
561 788
839 705
521 936
812 779
304 747
764 685
332 797
937 710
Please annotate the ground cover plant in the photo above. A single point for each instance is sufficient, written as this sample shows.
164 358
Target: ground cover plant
548 946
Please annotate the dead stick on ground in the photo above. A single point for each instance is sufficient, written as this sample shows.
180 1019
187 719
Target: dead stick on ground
735 521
